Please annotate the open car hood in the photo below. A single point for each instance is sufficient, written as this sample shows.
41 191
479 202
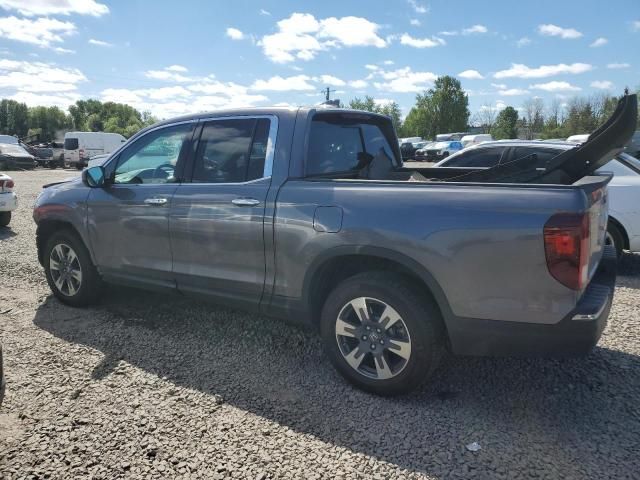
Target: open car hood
571 165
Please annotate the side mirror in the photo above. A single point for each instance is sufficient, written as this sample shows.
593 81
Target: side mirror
93 177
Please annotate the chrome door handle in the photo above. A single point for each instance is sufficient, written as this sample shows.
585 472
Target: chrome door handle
155 201
245 202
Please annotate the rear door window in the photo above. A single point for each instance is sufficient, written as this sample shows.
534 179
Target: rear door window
480 157
70 143
232 151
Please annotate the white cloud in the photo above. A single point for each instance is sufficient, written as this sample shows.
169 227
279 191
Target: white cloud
42 32
30 8
177 68
471 75
405 80
234 34
512 92
100 43
388 62
301 36
418 7
599 42
519 70
332 81
38 77
602 84
265 12
63 50
371 67
415 22
500 86
615 66
62 100
555 86
466 31
358 83
169 74
474 29
551 30
407 39
523 42
635 25
281 84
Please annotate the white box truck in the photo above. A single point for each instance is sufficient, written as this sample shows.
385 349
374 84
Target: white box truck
79 147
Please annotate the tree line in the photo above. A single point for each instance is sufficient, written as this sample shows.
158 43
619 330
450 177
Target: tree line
444 108
43 124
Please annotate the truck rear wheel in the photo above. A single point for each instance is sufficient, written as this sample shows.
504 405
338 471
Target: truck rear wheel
5 218
71 275
380 334
614 237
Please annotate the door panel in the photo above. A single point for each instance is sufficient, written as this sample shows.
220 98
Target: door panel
128 219
217 220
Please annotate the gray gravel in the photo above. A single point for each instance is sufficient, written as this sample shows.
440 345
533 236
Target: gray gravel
157 387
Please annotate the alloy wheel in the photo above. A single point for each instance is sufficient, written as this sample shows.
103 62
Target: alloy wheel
373 339
65 269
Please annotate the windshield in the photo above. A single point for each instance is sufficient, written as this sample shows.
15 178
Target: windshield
12 149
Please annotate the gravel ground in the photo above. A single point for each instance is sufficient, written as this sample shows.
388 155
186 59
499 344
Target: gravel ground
157 387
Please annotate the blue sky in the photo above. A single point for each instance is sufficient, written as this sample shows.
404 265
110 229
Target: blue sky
178 57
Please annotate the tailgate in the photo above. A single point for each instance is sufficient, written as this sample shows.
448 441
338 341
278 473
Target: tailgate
595 190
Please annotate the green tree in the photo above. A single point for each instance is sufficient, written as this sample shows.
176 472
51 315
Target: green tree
506 123
44 122
368 104
441 109
14 118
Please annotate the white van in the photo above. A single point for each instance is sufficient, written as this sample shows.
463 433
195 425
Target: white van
80 146
469 140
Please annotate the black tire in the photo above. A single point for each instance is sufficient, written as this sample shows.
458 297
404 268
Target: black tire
5 218
78 166
615 238
419 315
52 165
89 288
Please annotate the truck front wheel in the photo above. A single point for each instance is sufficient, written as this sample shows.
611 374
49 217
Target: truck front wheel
381 334
5 218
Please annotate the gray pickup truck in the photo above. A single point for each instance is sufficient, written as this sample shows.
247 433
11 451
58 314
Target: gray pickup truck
309 215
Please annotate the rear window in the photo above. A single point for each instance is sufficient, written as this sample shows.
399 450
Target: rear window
70 143
543 155
336 144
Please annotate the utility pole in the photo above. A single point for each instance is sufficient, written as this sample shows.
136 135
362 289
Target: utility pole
327 97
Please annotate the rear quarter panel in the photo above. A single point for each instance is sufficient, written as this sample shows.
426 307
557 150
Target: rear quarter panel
482 244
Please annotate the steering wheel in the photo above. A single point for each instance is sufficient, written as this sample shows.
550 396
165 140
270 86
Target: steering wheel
166 169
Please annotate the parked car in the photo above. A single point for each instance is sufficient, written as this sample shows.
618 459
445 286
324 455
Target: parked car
583 137
14 156
623 229
469 140
79 147
8 199
409 140
448 137
436 151
48 156
316 224
9 139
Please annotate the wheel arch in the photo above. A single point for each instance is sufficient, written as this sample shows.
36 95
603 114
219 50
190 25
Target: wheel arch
47 227
623 231
340 263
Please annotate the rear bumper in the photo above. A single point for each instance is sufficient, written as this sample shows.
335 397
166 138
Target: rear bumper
575 334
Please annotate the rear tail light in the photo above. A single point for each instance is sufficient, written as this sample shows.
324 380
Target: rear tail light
566 246
81 153
6 185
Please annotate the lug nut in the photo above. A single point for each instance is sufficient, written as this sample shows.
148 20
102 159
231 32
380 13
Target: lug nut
364 337
381 342
378 330
373 346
